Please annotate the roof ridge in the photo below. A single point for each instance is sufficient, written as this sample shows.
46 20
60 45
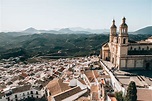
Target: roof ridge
66 91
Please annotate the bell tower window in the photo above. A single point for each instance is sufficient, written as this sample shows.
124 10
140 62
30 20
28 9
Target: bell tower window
124 41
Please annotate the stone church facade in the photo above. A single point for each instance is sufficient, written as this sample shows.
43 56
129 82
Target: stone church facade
125 54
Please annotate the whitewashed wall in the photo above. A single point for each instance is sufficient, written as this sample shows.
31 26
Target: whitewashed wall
20 95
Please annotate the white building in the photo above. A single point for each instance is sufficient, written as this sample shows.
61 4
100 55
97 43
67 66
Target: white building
19 93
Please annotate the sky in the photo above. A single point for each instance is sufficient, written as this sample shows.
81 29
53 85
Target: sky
17 15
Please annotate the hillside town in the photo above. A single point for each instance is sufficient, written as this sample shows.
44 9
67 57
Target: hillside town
90 78
54 80
70 79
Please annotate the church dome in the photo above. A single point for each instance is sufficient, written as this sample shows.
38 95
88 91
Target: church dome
124 23
113 25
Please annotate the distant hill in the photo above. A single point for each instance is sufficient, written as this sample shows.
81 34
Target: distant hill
13 44
31 30
97 31
73 30
65 30
50 44
60 31
36 31
146 30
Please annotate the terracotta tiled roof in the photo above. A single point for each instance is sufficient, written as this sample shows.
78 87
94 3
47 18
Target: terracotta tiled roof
96 73
45 82
94 88
61 69
90 76
95 96
57 86
21 89
82 81
67 94
24 74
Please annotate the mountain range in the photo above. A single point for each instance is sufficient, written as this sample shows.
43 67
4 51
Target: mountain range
79 30
70 42
145 30
74 30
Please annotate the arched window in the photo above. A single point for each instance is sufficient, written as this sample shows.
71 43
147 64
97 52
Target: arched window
124 41
15 96
37 92
139 48
31 92
112 60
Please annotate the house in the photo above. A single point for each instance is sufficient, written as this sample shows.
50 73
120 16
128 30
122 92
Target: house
57 90
19 93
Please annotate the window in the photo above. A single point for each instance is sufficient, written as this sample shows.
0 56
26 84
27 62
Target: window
27 93
134 48
130 48
142 48
15 96
124 41
23 94
31 92
46 93
139 48
147 48
49 93
8 99
112 60
37 92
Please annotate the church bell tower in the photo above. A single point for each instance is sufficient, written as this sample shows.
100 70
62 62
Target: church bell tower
113 31
122 41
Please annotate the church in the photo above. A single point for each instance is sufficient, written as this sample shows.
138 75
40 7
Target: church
126 54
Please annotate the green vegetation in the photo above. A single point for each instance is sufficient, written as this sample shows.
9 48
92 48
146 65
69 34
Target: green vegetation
119 96
51 45
46 44
146 30
131 92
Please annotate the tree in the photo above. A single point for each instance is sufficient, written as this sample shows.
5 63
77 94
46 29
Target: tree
131 92
119 96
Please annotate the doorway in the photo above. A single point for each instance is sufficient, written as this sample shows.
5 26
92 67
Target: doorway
147 66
